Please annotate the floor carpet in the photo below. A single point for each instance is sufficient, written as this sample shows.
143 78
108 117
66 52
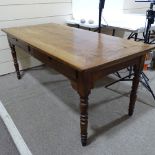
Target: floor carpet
45 109
7 146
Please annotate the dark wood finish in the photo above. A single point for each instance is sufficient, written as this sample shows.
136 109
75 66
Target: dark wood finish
14 56
133 96
82 56
84 87
84 118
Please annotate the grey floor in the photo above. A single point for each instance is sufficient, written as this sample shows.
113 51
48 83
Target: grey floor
45 109
7 146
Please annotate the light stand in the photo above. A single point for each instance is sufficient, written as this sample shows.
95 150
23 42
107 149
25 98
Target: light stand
150 15
101 7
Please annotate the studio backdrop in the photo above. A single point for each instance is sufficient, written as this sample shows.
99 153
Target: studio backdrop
88 9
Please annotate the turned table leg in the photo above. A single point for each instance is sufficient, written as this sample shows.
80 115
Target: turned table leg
84 118
14 56
83 86
133 96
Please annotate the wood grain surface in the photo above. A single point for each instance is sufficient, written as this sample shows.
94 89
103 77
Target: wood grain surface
79 48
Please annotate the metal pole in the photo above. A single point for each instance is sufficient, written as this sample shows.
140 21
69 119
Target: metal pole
101 7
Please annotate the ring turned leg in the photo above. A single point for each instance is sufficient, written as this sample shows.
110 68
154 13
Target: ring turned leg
84 119
13 52
83 87
133 96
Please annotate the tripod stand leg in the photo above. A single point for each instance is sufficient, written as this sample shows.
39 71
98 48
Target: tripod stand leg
130 71
144 76
122 79
117 73
136 35
147 86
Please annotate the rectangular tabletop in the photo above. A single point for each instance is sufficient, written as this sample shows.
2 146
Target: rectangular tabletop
78 48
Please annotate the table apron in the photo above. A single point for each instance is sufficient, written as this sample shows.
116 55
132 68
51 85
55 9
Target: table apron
98 74
61 67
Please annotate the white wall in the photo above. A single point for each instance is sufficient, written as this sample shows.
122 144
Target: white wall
85 9
112 6
130 6
27 12
88 9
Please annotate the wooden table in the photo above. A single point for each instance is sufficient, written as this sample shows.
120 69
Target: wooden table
82 56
